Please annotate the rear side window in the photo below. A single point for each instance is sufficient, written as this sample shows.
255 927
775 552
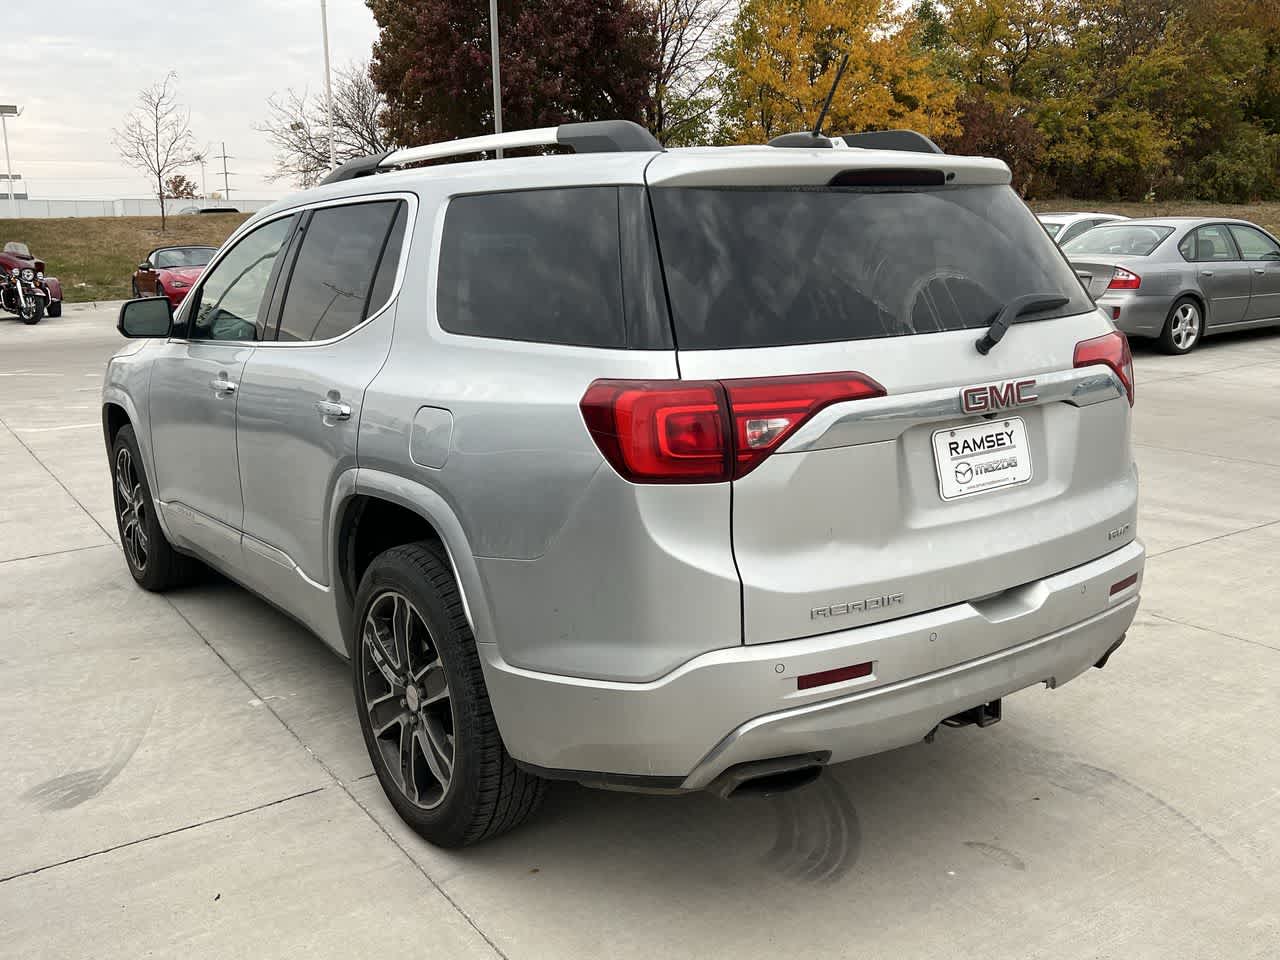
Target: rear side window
331 286
547 266
1211 243
771 266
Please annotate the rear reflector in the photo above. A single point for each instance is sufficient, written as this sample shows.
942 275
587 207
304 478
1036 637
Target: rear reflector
811 680
1124 584
1122 279
706 431
1111 349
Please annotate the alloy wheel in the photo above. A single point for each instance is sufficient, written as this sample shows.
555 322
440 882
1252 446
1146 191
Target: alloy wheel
1185 329
131 508
406 697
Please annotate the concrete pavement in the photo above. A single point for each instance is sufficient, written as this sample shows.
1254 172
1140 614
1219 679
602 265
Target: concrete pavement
184 774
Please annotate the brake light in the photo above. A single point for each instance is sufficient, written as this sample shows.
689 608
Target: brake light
1122 279
1113 350
706 431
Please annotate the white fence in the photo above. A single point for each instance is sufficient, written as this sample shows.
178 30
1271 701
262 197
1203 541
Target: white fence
41 209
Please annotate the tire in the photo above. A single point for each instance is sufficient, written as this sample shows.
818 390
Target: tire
35 312
54 310
152 561
1177 337
417 677
133 285
159 290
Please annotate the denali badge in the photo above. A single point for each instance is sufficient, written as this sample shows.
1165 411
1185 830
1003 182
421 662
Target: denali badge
1011 393
856 606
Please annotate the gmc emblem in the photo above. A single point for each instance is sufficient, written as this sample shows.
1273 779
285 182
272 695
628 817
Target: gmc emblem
1011 393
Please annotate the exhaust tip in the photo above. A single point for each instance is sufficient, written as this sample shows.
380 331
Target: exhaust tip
768 778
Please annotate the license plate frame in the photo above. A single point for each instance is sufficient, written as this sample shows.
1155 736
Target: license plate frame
984 457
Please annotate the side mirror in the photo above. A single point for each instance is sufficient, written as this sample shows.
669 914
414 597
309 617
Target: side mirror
145 266
149 317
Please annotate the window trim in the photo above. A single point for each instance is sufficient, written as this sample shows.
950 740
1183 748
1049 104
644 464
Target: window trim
303 210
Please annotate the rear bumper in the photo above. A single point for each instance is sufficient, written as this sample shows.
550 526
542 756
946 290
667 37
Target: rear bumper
1140 316
742 704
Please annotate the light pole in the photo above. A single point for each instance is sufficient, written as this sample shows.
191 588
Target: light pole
328 81
497 74
9 110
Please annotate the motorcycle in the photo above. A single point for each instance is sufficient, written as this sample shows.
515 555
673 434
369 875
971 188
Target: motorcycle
24 289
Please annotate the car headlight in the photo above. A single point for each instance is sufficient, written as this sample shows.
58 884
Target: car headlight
28 274
39 274
17 272
179 284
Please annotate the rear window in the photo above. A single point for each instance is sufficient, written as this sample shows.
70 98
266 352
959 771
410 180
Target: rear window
1051 228
548 266
759 267
1119 239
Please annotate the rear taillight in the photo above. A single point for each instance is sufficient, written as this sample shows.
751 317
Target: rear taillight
1122 279
1113 350
706 431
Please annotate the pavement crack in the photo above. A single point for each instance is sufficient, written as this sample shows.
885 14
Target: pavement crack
56 479
1209 456
1201 627
58 553
1220 536
163 833
339 782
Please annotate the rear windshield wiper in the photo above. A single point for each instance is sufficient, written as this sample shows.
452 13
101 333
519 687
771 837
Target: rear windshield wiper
1029 303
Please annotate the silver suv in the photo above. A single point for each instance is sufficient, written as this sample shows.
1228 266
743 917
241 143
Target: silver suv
675 470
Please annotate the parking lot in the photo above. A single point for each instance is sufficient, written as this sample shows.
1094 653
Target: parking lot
184 774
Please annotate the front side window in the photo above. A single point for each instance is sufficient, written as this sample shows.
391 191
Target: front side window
1213 243
1254 244
331 284
234 293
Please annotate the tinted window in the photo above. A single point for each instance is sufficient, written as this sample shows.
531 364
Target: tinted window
231 297
1214 243
1052 228
774 266
1075 230
1254 244
1118 239
546 266
384 280
332 279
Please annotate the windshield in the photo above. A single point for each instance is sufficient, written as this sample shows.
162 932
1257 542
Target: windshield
1128 239
1051 229
775 266
172 257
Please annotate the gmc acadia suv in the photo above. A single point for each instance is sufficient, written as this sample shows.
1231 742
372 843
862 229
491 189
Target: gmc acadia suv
654 470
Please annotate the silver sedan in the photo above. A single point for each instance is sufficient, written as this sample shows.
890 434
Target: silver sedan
1179 279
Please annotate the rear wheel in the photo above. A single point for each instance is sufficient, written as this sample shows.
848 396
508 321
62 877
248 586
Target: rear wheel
154 564
54 309
1183 328
424 709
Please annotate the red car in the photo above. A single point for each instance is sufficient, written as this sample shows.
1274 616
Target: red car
170 272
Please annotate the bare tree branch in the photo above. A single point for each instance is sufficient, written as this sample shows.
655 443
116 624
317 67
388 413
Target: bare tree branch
298 126
156 136
684 94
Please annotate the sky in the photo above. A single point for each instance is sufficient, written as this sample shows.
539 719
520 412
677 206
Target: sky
76 67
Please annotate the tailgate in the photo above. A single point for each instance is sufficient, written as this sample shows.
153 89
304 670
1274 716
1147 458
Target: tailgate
972 475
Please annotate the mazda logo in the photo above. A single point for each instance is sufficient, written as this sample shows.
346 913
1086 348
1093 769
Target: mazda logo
964 472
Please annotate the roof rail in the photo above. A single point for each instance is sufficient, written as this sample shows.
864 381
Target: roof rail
902 140
600 136
907 140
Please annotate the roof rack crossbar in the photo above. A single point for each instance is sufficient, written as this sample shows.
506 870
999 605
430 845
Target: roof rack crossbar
603 136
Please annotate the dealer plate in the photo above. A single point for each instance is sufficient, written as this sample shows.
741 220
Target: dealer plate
981 457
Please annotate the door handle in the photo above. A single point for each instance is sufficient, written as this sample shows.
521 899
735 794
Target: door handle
334 409
1206 273
222 386
1259 271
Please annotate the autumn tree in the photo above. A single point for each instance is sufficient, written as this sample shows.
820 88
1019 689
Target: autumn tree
179 187
561 61
297 125
156 135
780 57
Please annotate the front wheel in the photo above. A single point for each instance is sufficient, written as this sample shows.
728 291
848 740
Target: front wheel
152 561
1183 328
424 709
32 311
